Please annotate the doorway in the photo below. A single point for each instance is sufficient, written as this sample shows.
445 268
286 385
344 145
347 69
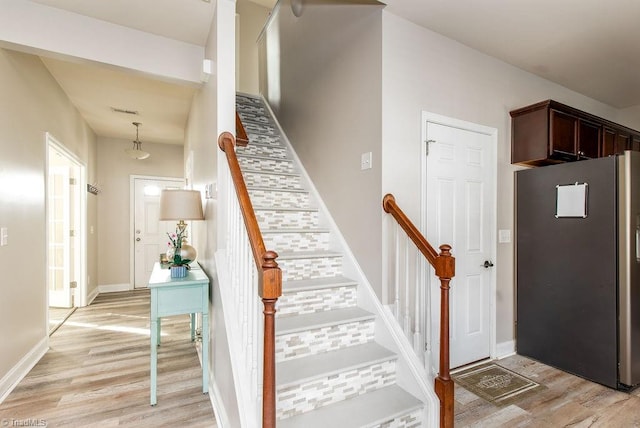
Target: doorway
149 234
66 239
459 208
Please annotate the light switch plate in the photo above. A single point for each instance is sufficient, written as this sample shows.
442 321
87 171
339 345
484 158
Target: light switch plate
504 236
365 161
4 236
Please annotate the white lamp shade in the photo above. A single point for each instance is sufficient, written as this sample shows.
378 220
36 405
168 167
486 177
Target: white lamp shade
178 204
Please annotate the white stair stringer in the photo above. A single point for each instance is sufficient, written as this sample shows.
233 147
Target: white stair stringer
339 358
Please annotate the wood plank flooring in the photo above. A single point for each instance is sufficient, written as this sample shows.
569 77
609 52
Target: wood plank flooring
96 373
568 401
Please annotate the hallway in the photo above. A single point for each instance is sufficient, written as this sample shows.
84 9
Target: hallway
96 372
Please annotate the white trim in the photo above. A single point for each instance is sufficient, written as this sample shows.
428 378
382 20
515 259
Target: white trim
24 366
219 411
91 296
505 349
113 288
132 209
493 161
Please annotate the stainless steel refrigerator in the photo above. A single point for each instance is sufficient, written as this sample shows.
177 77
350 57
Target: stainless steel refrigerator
578 267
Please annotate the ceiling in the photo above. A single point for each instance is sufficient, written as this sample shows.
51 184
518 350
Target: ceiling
590 46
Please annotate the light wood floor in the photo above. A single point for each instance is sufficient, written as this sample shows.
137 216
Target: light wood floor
568 401
96 373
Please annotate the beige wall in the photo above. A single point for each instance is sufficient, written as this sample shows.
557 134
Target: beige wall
114 171
31 104
252 18
324 85
424 71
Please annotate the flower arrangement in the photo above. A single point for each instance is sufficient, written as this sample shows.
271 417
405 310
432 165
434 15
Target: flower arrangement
174 253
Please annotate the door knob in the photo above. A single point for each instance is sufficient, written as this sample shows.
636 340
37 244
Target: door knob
137 239
487 264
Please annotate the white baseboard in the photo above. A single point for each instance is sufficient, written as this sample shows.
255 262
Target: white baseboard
222 420
24 366
113 288
505 349
91 296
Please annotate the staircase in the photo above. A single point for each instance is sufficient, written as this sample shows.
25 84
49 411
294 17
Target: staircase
331 368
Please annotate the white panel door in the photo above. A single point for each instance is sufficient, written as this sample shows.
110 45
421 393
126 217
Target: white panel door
150 234
460 199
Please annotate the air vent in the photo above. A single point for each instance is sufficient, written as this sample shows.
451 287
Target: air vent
125 111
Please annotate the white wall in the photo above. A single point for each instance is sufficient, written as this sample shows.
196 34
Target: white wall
31 104
423 71
114 171
212 112
324 85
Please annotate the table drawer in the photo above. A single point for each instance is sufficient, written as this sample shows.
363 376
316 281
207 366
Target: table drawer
182 300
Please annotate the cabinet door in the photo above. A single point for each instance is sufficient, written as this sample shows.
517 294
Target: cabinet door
563 135
589 136
623 142
609 142
635 142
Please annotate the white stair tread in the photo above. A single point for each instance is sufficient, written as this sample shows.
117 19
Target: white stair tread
285 209
278 231
329 363
307 254
364 410
296 323
317 283
271 189
265 172
264 157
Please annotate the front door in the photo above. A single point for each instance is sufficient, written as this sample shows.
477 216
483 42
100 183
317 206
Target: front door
460 211
150 234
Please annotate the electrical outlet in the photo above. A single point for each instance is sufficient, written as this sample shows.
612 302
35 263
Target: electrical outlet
365 161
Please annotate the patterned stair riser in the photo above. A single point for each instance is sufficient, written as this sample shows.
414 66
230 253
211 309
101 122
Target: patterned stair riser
259 128
264 151
249 108
267 140
293 241
242 100
273 181
410 420
320 267
279 220
246 116
279 166
279 199
306 396
329 338
311 301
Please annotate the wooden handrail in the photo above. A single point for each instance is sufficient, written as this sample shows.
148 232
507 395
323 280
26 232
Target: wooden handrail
269 279
445 266
242 139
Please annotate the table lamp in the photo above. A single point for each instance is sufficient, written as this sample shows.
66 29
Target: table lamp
179 204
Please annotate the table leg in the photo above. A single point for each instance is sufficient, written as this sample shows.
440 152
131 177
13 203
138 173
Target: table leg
193 327
205 352
155 327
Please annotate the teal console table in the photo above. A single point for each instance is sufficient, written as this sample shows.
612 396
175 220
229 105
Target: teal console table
175 296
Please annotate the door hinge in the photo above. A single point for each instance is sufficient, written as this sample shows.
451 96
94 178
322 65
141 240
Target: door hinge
72 233
72 181
73 284
427 146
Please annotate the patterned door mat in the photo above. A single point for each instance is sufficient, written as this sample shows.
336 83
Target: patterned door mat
496 384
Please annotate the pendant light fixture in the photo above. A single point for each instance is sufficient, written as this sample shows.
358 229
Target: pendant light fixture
136 152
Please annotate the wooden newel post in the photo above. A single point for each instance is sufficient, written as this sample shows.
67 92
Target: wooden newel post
444 386
270 290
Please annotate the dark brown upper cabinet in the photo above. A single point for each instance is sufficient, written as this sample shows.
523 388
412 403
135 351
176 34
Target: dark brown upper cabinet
550 132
